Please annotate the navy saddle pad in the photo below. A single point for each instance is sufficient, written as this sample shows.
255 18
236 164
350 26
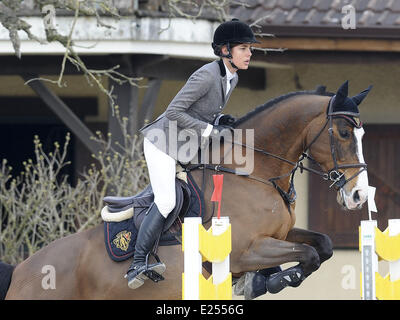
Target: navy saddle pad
120 237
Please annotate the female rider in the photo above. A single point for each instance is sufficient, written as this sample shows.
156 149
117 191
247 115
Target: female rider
194 113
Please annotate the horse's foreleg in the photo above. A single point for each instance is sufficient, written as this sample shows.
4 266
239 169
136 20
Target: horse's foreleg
269 252
321 242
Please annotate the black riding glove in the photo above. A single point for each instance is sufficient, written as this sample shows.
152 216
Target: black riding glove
226 120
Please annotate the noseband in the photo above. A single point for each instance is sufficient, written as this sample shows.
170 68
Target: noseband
334 175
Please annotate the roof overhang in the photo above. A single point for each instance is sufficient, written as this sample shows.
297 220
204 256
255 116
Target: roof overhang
332 44
329 31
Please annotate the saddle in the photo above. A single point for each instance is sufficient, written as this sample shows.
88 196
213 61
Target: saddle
123 216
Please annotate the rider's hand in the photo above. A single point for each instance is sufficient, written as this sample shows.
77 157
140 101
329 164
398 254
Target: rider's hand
226 120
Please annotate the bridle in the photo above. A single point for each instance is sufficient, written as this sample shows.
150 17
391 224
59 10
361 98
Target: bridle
339 179
334 175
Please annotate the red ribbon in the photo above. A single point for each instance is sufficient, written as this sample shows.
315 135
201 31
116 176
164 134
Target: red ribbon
217 194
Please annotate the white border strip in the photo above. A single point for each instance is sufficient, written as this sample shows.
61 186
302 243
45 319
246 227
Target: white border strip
181 37
195 50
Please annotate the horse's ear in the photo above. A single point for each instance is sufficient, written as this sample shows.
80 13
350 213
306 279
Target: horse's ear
360 97
342 93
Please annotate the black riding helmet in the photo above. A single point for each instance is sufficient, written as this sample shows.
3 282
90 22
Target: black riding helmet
231 32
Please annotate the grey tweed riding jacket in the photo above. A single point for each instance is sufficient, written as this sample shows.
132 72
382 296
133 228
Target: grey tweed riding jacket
178 130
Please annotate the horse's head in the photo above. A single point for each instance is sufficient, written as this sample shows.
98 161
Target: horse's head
339 148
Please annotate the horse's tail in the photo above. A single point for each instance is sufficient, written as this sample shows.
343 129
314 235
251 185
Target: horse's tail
6 271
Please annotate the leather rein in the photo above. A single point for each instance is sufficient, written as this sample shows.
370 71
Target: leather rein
334 175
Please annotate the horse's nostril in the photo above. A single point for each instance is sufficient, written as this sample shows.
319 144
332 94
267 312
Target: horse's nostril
356 197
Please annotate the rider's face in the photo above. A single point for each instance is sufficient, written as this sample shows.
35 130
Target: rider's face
241 55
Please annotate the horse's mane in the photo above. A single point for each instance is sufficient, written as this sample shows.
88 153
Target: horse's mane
320 91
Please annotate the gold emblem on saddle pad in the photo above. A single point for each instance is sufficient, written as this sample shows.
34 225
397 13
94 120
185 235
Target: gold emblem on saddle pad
122 239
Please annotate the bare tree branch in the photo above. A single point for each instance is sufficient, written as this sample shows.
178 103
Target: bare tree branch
189 9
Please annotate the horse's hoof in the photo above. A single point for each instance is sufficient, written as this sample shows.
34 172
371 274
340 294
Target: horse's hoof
238 289
254 285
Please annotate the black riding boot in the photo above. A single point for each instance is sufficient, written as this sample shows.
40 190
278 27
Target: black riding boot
149 231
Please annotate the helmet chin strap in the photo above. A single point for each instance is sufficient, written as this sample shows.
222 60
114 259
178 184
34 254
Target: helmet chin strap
229 56
233 65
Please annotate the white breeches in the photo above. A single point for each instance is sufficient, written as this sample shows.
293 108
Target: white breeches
162 172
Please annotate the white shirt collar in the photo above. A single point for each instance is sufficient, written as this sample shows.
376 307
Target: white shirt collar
229 75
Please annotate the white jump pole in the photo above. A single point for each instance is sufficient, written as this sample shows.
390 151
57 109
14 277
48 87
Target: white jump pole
214 247
220 270
369 259
386 245
192 259
195 246
394 266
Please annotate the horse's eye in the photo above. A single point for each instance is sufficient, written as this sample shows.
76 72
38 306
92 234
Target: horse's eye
344 133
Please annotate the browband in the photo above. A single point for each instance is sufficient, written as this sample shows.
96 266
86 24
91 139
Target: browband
352 117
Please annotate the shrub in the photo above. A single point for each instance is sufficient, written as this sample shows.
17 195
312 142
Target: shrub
40 206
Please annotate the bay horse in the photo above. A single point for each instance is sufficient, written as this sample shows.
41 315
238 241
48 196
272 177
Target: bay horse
323 127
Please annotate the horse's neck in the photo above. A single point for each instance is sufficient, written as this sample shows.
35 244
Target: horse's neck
282 131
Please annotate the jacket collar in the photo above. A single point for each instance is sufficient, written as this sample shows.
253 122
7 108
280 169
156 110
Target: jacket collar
222 67
234 81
